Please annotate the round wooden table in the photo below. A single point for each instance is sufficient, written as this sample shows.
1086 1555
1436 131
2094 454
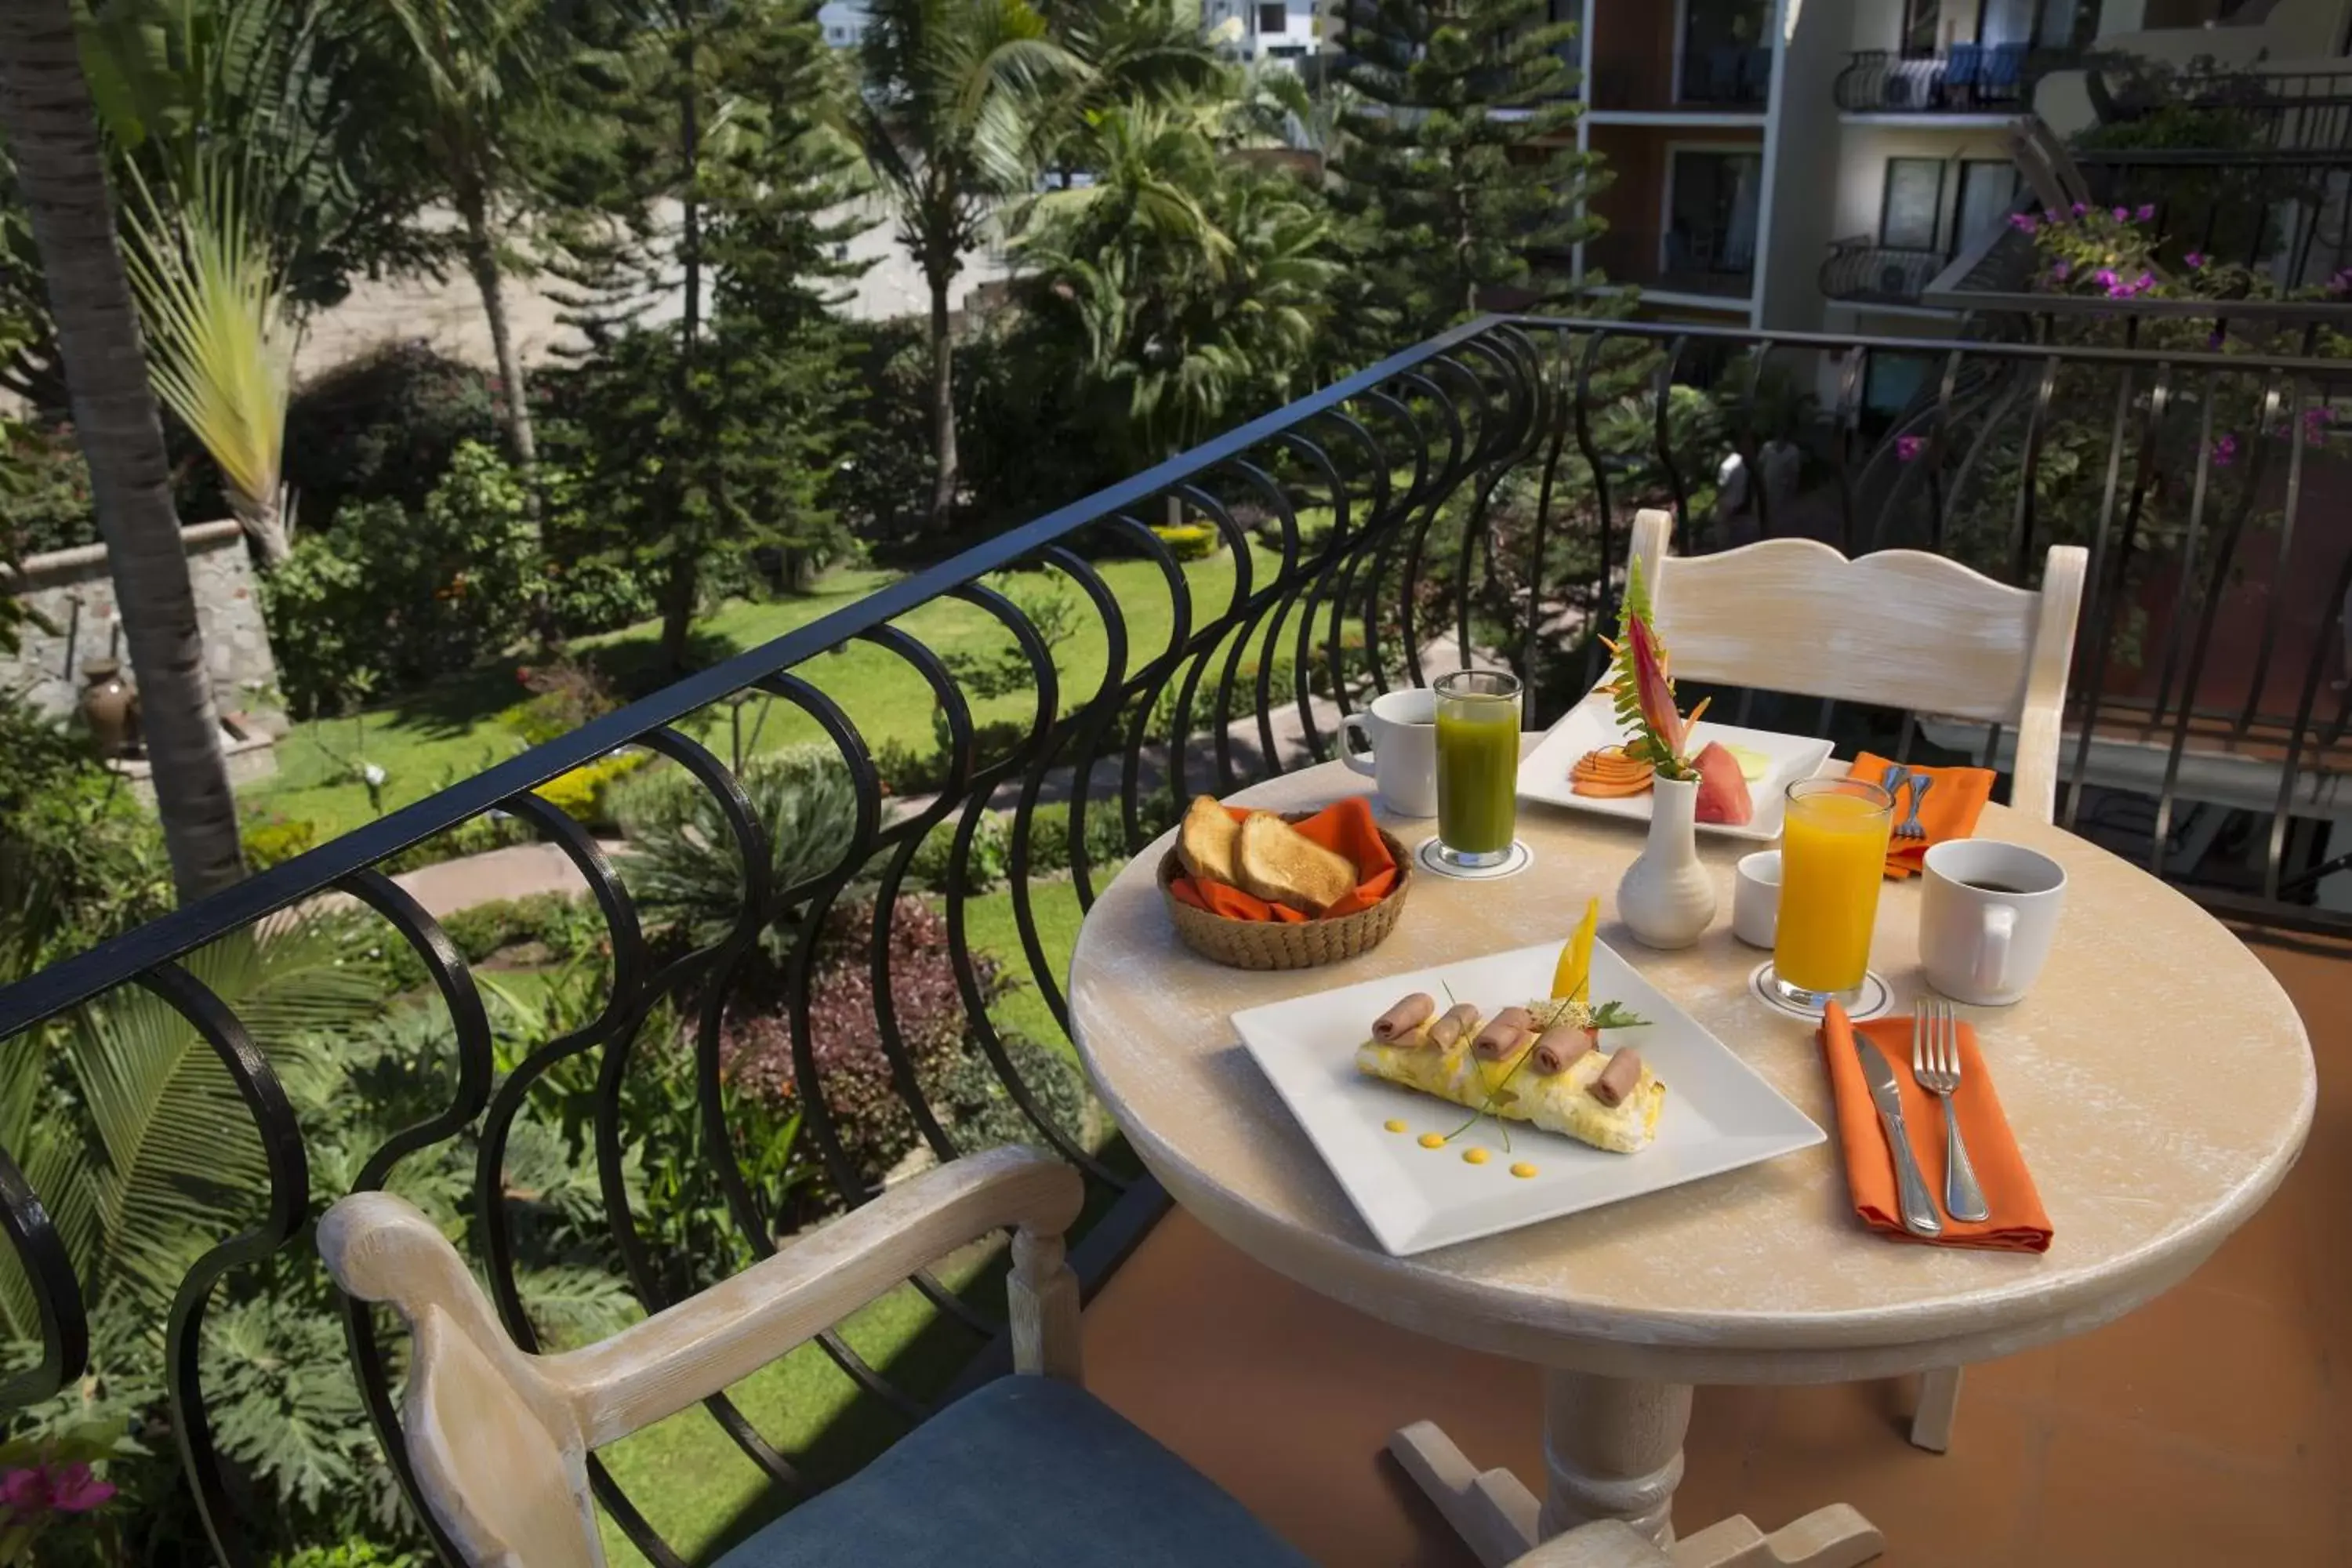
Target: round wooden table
2159 1080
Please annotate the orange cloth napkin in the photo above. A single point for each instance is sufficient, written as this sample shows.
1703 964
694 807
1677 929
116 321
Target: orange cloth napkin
1345 827
2016 1222
1950 810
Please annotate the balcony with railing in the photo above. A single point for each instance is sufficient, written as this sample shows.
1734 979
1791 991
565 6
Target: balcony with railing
1961 79
1862 271
1471 496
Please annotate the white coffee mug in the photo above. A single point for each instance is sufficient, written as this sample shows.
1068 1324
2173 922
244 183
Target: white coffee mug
1756 898
1987 913
1400 735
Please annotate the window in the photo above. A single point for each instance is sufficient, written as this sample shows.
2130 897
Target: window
1890 381
1711 201
1910 217
1272 19
1922 27
1988 191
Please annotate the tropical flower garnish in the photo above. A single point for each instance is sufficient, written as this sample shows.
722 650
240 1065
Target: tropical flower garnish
1645 689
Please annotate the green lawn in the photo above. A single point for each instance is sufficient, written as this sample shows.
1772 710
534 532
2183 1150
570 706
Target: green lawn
459 726
989 927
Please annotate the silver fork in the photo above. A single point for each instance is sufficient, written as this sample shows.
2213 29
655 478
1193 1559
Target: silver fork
1920 784
1935 1065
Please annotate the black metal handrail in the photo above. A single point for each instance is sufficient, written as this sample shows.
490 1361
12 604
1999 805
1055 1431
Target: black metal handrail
1860 271
1480 487
1966 79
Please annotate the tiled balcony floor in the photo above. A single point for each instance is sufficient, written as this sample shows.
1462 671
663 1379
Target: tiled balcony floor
2205 1429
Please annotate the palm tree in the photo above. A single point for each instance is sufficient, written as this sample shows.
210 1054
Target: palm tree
221 348
459 73
956 96
1194 282
52 133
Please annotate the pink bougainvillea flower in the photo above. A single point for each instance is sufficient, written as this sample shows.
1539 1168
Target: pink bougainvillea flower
24 1491
2024 223
74 1489
2146 213
2213 338
2080 209
2194 260
2315 425
1908 448
2225 451
2123 215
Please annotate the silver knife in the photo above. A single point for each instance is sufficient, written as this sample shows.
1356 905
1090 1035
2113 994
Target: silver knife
1918 1204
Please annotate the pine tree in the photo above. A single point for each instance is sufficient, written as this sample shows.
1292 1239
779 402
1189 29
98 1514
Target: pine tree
718 183
1459 163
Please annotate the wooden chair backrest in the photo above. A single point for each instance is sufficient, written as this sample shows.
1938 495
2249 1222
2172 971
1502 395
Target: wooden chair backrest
497 1447
1900 628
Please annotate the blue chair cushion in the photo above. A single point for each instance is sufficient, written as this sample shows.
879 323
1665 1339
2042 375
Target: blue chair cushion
1022 1471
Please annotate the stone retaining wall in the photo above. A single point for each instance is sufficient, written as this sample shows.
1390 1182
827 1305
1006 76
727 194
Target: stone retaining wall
73 590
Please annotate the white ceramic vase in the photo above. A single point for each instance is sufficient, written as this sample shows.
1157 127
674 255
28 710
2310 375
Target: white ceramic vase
1667 897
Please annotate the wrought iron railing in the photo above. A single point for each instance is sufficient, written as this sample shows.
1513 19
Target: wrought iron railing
2284 215
1863 271
2260 111
1474 493
1965 78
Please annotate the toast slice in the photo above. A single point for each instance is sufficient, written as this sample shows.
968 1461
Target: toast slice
1282 865
1204 843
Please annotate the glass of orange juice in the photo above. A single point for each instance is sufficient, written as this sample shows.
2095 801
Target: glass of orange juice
1832 859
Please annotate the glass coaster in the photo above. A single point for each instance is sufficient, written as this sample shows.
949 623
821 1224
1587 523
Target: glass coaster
1426 857
1876 999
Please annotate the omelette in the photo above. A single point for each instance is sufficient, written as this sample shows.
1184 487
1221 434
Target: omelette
1538 1063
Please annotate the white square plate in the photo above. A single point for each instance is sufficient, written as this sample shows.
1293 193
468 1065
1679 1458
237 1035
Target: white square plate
1590 725
1718 1115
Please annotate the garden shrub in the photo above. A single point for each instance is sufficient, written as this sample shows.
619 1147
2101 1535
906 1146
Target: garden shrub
1189 541
565 694
876 1126
683 865
383 427
585 793
975 1103
47 491
276 840
567 927
984 863
386 597
1049 838
353 1553
79 859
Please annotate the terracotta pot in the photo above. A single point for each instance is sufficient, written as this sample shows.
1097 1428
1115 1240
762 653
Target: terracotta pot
109 707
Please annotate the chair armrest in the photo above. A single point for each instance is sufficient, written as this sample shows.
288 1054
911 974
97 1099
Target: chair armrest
719 1336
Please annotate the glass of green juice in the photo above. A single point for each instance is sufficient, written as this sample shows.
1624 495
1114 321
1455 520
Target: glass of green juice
1477 766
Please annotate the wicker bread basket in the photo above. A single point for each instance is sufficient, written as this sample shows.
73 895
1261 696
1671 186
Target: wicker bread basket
1286 944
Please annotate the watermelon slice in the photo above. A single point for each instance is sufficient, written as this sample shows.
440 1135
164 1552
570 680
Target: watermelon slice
1722 789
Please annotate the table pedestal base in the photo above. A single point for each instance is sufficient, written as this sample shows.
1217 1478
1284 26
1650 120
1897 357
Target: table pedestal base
1613 1451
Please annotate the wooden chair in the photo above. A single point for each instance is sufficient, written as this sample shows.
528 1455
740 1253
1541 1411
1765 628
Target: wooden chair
1901 629
1027 1470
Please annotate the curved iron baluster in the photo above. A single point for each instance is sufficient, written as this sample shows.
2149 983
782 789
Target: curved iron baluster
2143 480
289 1207
2190 537
2291 508
1084 731
2224 555
2093 634
2022 528
1144 688
1853 380
1661 392
470 1028
56 1293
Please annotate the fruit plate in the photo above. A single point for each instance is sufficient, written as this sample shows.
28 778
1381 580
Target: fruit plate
1719 1114
1591 724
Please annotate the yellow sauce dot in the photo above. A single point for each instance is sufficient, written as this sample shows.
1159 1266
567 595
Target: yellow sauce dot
1474 1156
1522 1169
1393 1126
1432 1140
